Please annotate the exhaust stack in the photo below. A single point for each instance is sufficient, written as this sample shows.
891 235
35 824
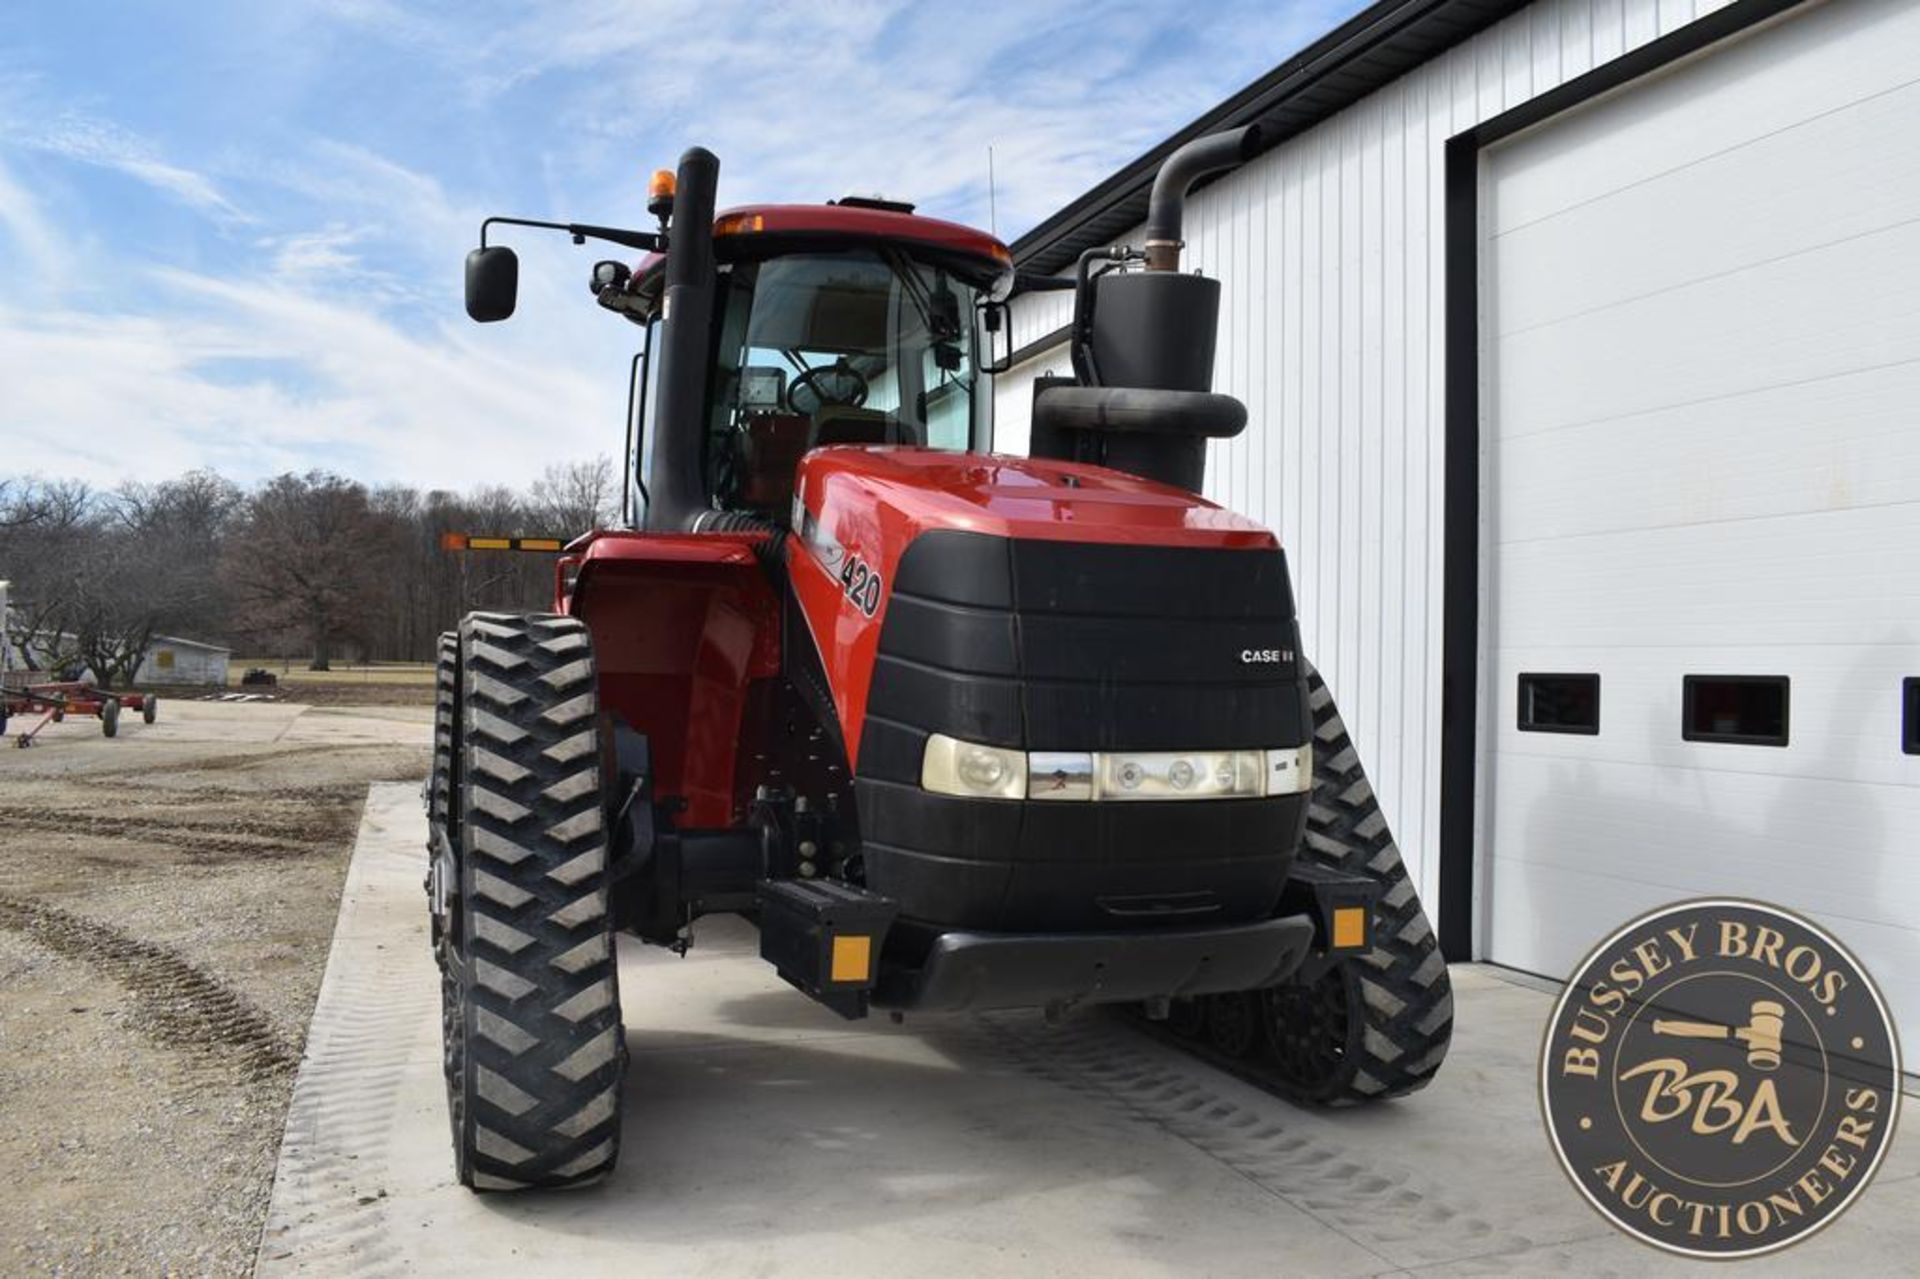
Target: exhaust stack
677 492
1166 206
1143 344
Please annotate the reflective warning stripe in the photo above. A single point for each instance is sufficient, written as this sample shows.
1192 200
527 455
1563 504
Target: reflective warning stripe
465 542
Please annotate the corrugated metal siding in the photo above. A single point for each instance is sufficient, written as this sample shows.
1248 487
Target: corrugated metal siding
1329 249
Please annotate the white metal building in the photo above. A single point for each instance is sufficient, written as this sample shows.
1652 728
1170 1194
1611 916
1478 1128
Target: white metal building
172 660
1581 343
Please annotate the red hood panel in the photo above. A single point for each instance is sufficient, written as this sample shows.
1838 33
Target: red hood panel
1013 497
856 509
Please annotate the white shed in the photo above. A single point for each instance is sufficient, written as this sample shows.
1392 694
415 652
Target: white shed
1581 353
173 660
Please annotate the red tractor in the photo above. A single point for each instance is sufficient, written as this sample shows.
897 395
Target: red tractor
954 730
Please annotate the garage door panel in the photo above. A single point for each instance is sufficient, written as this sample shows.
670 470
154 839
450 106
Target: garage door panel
1555 944
1839 577
1702 457
1726 98
1674 465
1853 306
1626 244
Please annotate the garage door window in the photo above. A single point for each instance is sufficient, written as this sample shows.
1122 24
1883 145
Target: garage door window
1910 715
1560 704
1746 710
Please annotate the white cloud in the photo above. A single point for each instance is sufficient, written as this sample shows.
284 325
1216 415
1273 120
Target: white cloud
329 331
36 246
107 145
293 365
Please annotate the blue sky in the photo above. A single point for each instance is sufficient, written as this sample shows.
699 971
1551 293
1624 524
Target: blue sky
231 233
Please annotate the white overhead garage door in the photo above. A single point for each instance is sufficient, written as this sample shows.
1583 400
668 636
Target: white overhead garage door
1702 486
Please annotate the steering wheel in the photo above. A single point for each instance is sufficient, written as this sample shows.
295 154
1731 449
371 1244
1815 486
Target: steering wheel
839 384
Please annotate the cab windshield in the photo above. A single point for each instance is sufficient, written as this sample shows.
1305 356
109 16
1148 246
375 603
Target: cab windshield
861 347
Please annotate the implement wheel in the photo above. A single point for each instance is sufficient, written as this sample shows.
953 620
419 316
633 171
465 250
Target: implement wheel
535 1048
149 708
1370 1026
109 717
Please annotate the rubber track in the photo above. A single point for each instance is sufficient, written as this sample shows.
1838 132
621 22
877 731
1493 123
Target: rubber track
1404 989
544 1047
438 790
1399 997
439 778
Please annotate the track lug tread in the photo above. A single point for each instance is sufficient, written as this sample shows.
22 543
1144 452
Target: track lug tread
537 1070
1398 998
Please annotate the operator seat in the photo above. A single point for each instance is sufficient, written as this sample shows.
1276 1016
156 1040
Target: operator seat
770 449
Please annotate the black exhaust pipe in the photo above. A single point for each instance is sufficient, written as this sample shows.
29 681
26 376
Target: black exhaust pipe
1143 344
1167 205
677 492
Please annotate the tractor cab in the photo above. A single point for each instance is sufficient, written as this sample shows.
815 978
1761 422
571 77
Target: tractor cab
849 346
854 322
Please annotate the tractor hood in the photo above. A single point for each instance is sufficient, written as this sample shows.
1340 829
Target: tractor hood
867 496
859 510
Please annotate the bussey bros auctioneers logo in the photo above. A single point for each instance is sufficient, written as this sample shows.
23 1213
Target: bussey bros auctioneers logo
1720 1078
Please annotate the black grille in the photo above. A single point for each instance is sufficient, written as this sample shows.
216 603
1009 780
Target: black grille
1074 646
1070 646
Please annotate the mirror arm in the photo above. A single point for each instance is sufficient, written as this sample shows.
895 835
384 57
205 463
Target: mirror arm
645 241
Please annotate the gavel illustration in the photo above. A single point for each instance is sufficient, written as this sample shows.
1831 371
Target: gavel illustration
1761 1033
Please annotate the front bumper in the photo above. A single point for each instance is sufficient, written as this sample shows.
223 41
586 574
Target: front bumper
974 970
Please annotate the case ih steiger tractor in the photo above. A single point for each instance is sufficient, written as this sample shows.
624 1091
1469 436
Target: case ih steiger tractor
953 730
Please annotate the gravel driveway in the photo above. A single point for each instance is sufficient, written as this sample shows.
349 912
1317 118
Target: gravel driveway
166 902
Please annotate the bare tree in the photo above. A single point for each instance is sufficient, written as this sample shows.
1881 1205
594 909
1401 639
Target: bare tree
46 539
313 564
573 497
311 558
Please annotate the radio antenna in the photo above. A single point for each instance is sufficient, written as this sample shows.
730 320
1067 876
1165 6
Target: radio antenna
993 214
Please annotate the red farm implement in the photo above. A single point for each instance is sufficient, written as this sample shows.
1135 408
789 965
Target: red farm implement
54 702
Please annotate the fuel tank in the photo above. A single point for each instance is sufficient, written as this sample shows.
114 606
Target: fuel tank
1048 606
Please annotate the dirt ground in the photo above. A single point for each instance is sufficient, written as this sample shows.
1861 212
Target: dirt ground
166 902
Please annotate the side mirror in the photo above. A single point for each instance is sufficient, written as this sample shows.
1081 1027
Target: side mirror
995 320
493 282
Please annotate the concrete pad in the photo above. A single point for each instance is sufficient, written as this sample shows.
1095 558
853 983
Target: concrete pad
765 1135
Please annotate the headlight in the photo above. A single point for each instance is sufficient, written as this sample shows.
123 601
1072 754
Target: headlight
953 767
1180 775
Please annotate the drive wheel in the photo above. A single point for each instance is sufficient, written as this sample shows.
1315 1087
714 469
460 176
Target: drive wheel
534 1046
1376 1025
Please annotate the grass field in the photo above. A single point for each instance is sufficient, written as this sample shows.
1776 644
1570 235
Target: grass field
294 671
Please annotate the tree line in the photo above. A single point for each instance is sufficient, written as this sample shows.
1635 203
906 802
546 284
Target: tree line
317 567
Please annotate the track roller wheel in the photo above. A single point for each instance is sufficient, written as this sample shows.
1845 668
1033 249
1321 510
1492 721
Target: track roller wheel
1187 1018
1375 1025
1233 1023
1310 1028
534 1046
